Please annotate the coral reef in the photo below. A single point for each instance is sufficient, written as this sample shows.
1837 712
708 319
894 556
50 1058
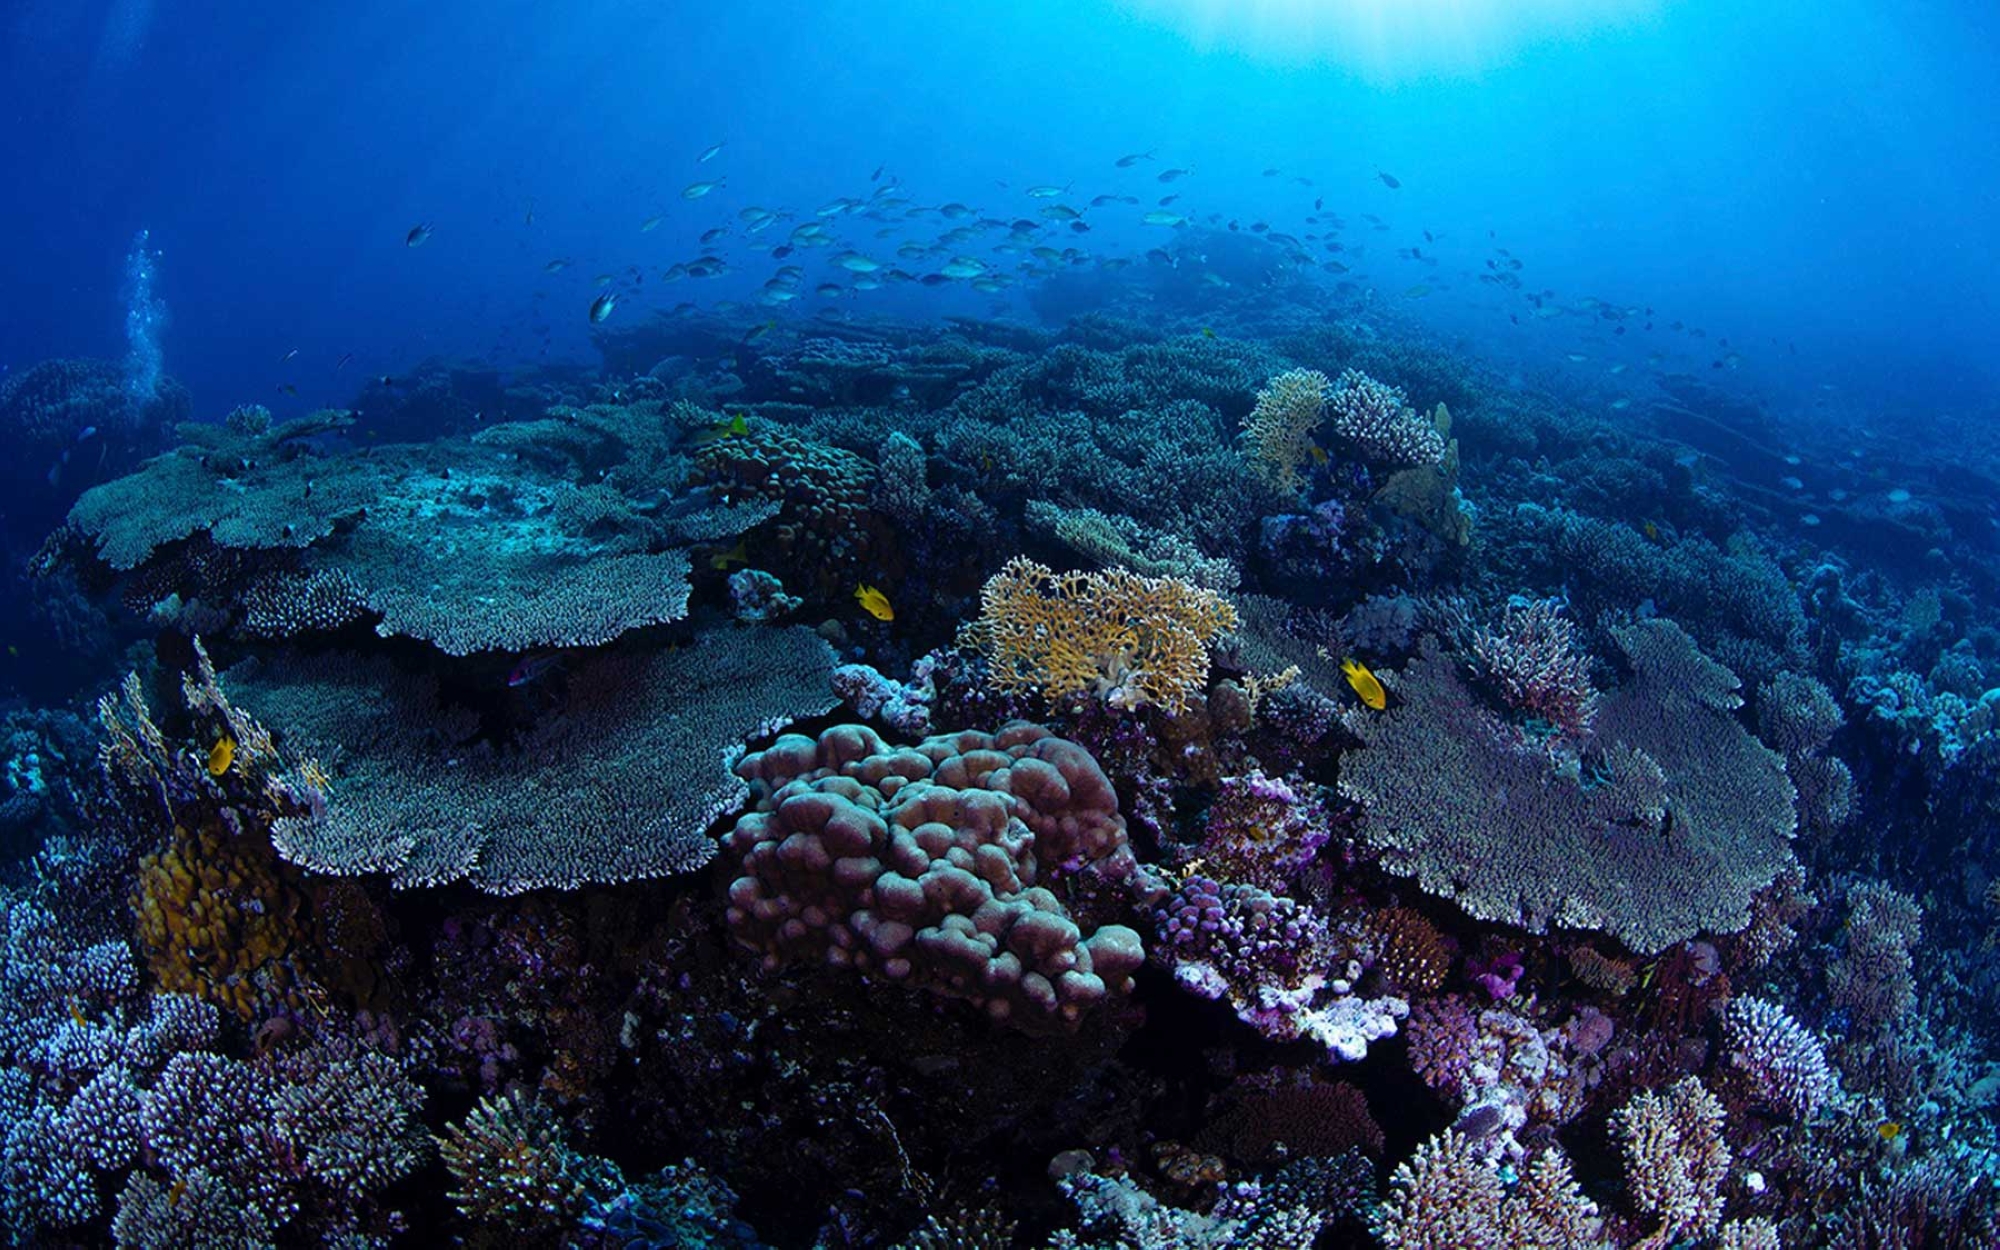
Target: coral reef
512 874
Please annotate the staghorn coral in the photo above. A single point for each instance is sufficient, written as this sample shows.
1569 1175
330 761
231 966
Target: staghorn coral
1538 665
1450 1196
239 1151
1278 432
617 782
513 1170
1130 640
1783 1065
1874 979
1675 1159
1375 418
1685 816
935 866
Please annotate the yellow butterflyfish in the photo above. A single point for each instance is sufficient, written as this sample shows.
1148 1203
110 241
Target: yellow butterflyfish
1365 684
221 755
739 554
874 603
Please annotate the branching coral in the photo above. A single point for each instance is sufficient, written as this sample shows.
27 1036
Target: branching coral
1377 419
1131 640
1450 1196
1278 432
514 1170
1274 961
1675 1159
1874 979
1783 1064
1538 666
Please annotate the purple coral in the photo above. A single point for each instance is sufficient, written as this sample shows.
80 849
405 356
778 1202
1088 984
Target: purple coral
1538 665
1261 830
1274 960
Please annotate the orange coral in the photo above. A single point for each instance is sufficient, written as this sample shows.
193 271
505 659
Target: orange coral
1414 956
218 918
1604 973
1133 640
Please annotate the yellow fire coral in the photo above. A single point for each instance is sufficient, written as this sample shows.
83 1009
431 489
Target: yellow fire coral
1132 640
1278 431
218 919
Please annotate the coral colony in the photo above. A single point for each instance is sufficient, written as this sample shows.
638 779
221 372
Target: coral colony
983 787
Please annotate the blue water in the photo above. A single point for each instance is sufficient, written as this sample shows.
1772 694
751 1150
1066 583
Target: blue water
1819 192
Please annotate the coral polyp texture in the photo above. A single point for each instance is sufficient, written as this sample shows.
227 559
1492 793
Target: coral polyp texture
1683 818
940 866
1132 641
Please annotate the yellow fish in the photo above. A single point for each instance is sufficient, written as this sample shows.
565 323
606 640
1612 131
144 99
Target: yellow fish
221 755
738 554
1208 332
1365 684
1652 531
1317 453
874 603
1889 1130
736 427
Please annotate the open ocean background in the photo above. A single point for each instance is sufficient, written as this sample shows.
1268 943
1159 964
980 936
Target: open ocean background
1819 189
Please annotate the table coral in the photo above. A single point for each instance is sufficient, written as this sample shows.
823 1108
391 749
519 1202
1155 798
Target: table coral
1682 818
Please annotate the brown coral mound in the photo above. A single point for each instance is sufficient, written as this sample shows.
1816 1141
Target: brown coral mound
1294 1117
1415 957
933 866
